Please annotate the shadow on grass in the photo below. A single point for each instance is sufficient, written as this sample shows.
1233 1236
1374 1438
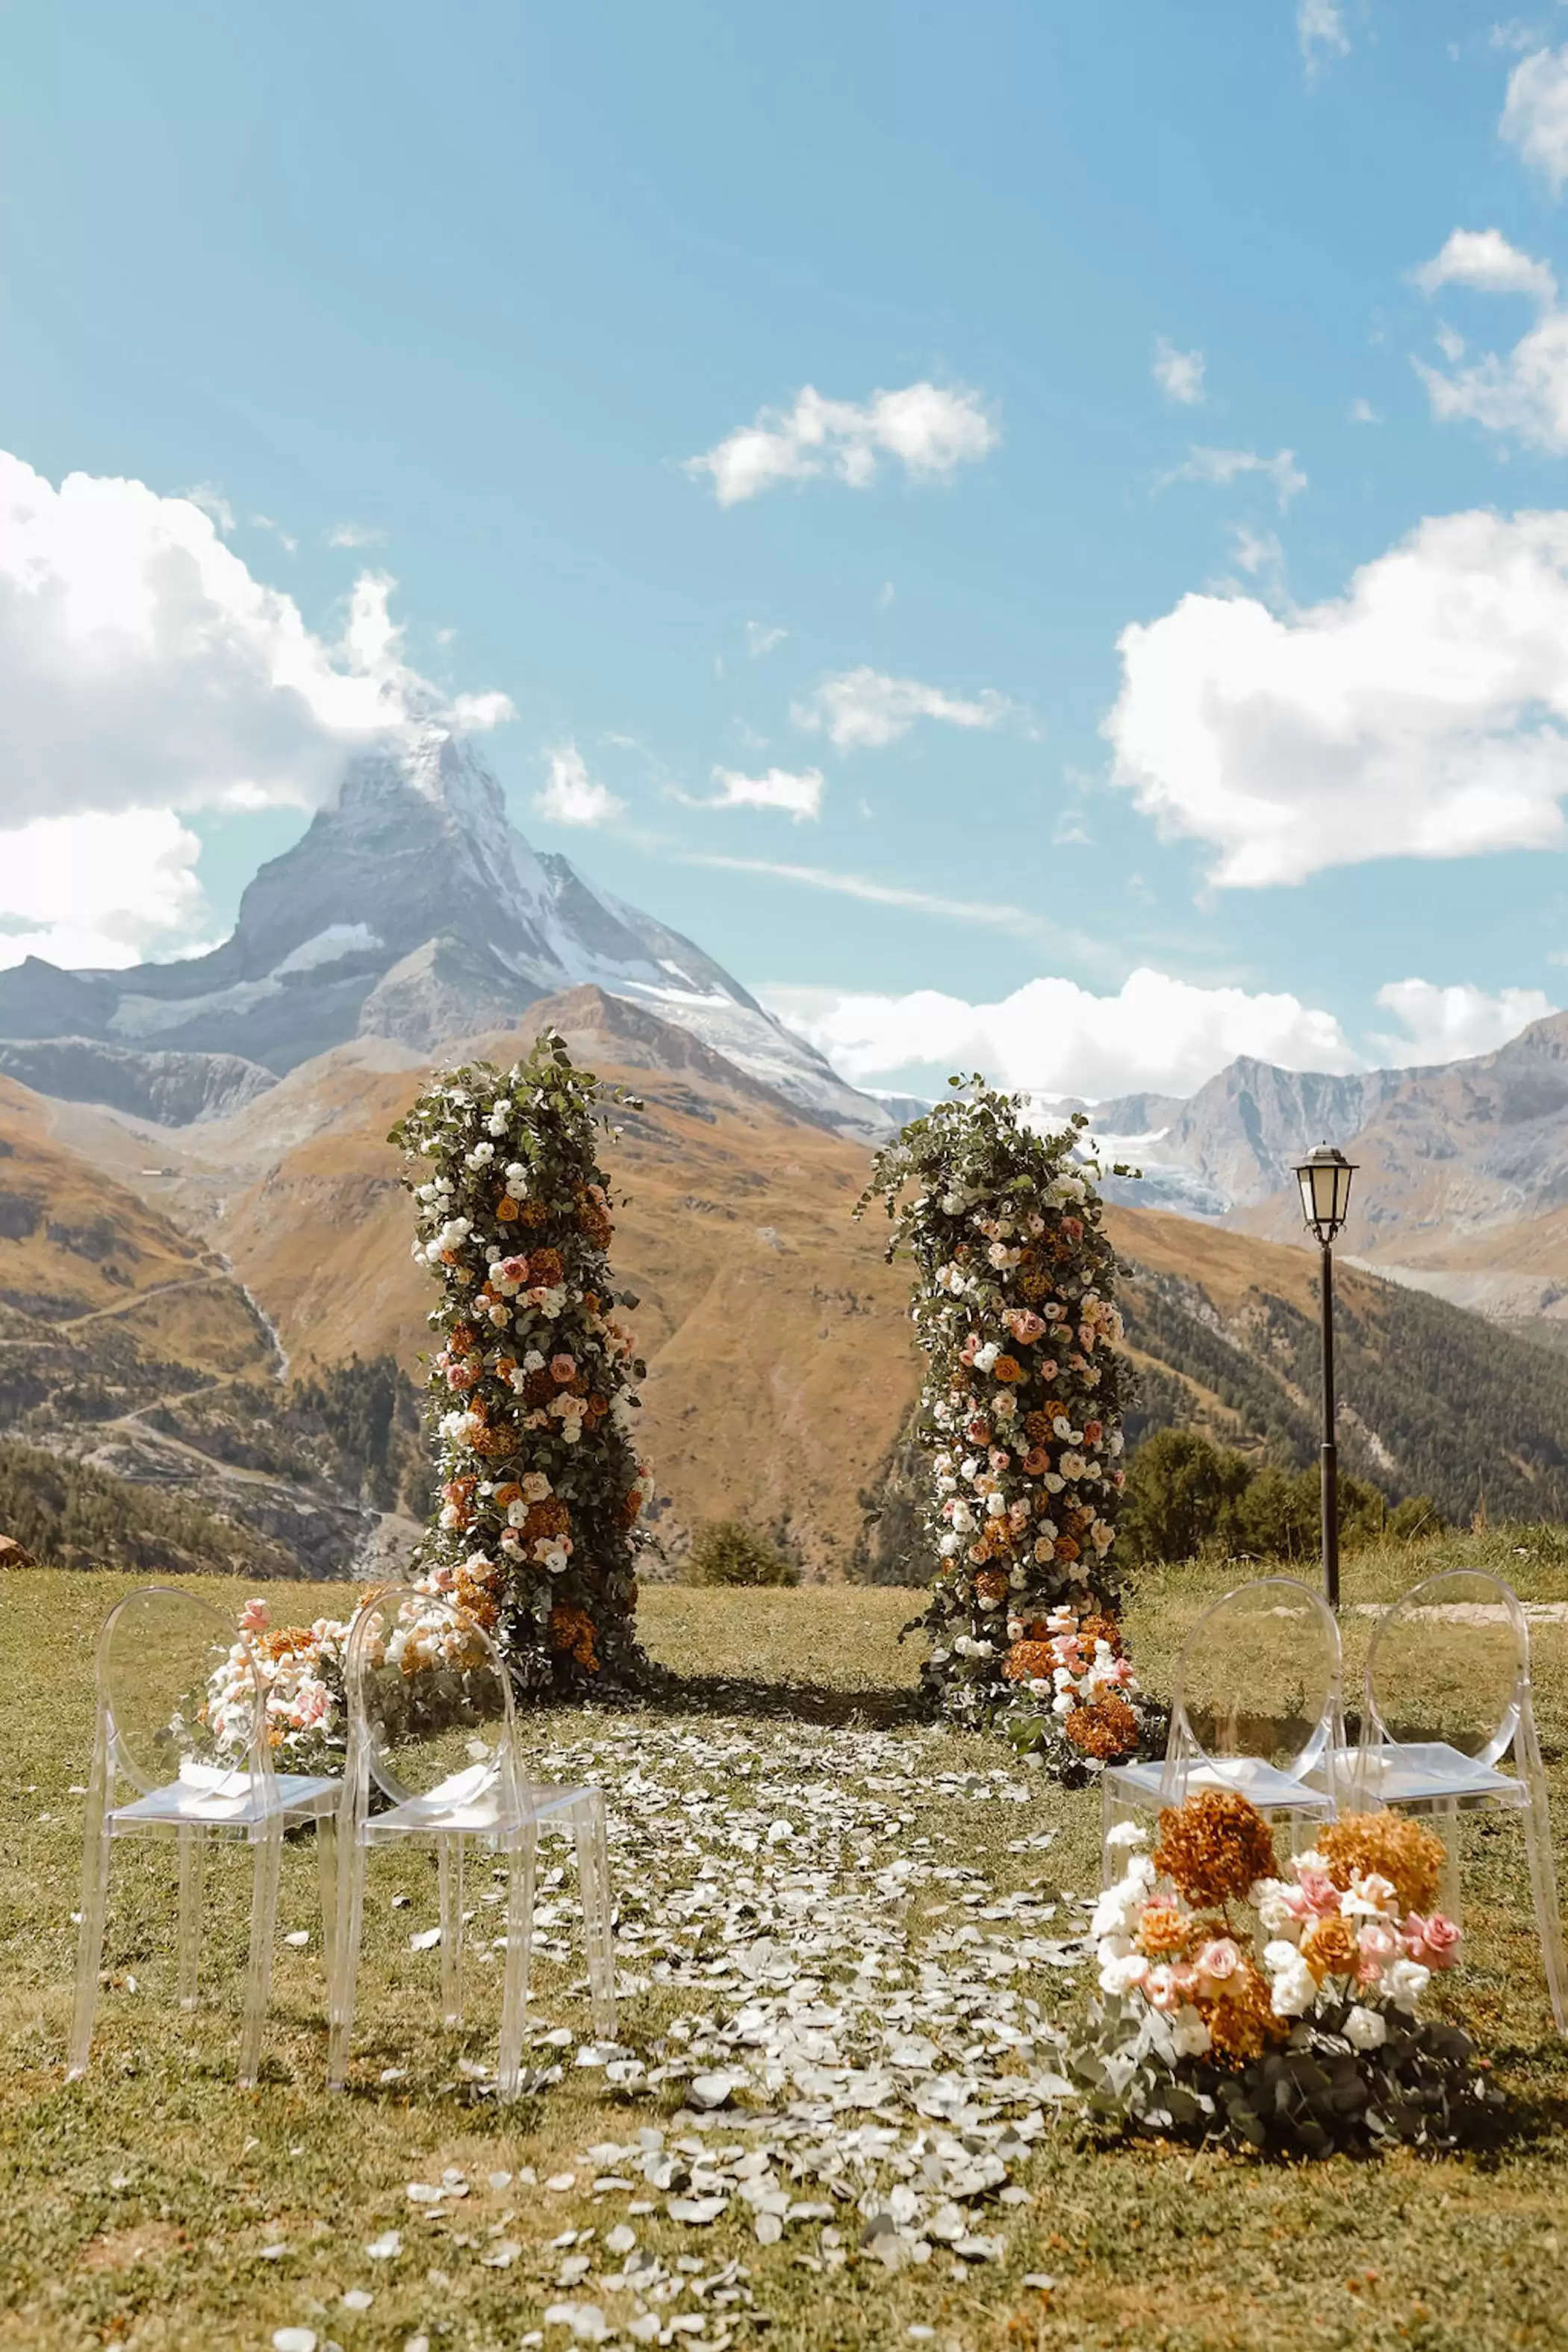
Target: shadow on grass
888 1708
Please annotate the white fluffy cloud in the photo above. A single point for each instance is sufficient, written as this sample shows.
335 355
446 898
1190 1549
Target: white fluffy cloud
1223 467
1535 114
1321 32
97 890
571 795
1424 713
1447 1024
1483 258
1521 395
864 710
926 428
1054 1037
797 793
142 666
1179 374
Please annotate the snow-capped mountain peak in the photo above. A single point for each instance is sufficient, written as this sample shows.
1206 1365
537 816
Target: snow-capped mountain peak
413 908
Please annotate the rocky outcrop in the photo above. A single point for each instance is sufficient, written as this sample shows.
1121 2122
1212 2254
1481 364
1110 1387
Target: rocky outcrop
172 1090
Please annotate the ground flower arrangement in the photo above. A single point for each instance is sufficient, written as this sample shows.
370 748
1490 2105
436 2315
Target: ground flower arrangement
432 1673
1281 2010
1021 1412
533 1389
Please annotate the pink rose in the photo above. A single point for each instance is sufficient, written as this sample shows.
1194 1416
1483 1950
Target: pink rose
1431 1942
1378 1945
509 1269
253 1616
1322 1897
563 1368
1161 1989
1220 1960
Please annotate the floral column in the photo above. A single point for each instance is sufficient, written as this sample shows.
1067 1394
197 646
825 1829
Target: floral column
1021 1410
533 1388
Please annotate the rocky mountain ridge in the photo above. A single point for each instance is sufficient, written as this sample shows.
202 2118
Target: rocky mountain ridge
1463 1182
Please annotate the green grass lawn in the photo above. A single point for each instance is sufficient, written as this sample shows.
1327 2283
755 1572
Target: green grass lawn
139 2208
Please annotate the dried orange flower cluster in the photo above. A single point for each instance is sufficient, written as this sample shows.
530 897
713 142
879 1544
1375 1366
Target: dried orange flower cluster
1385 1845
1215 1846
1107 1728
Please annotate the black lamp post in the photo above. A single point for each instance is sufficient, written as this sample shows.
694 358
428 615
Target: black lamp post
1324 1177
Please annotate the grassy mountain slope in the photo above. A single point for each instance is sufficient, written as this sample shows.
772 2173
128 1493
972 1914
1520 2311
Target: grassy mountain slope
781 1366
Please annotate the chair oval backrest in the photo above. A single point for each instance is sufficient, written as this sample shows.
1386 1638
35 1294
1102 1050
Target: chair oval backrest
429 1695
1451 1661
180 1691
1259 1677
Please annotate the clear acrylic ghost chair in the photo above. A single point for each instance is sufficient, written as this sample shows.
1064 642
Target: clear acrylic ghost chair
1255 1707
203 1770
432 1728
1453 1653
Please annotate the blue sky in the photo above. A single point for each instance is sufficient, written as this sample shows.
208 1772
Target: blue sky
469 290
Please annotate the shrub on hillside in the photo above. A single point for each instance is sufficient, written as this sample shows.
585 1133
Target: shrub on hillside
1186 1495
727 1551
1181 1495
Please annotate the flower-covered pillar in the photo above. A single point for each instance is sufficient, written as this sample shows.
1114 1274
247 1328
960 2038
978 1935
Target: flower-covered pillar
533 1388
1021 1412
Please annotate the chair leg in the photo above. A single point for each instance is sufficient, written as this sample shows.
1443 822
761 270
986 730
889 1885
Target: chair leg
1114 1809
193 1860
1537 1822
594 1886
449 1868
519 1952
268 1851
96 1850
352 1862
1446 1822
327 1865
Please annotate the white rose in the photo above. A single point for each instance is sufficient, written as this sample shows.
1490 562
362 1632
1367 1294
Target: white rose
1404 1982
1295 1988
1364 2029
1123 1975
996 1506
1189 2034
1269 1895
948 1545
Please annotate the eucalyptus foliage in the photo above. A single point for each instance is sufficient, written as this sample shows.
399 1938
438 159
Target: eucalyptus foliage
1423 2087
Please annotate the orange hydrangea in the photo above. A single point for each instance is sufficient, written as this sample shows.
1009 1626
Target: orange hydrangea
1394 1846
1213 1846
1107 1728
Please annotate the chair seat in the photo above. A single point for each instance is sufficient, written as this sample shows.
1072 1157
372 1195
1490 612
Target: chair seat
1247 1775
227 1800
1411 1772
469 1804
